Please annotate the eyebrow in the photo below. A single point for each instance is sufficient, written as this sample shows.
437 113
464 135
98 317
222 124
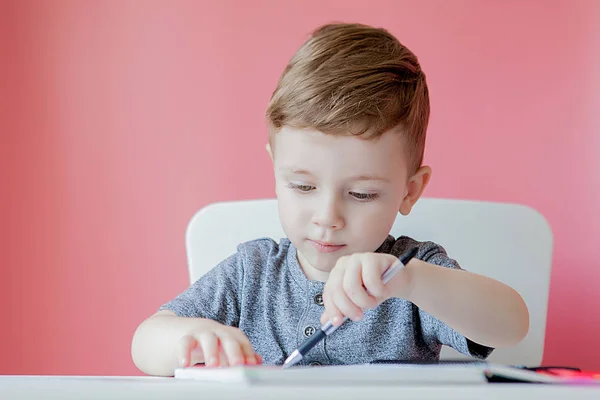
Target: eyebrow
299 171
369 178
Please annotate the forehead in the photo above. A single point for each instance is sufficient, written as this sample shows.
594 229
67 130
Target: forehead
308 149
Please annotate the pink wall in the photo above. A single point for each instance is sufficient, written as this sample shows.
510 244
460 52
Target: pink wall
120 119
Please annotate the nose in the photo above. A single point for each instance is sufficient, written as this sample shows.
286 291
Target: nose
328 214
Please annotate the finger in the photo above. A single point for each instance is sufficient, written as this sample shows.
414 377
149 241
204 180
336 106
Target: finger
333 284
246 346
223 362
331 313
232 348
353 286
346 306
184 350
339 300
372 273
210 348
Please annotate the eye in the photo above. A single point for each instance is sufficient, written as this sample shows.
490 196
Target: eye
364 196
301 188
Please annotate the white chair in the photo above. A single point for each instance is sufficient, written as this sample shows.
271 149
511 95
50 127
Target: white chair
508 242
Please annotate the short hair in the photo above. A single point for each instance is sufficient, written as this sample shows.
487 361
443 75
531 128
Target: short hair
354 79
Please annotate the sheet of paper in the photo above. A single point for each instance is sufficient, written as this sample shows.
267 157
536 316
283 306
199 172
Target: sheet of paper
348 374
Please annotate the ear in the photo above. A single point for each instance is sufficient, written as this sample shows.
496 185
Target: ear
415 187
270 151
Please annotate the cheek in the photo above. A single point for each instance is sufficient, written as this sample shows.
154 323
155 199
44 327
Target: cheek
291 212
377 221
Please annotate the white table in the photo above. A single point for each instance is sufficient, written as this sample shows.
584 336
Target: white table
97 387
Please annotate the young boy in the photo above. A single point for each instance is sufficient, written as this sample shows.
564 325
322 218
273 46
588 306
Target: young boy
347 133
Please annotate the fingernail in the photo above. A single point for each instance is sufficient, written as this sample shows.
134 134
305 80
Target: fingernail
335 320
183 362
212 361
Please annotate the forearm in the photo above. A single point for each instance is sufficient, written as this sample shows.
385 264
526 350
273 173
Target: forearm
154 348
482 309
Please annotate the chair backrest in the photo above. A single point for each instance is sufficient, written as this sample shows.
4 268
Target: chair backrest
508 242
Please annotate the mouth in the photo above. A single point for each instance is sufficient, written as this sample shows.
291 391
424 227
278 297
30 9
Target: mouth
326 247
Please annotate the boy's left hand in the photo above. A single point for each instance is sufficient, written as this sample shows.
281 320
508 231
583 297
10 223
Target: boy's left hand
355 285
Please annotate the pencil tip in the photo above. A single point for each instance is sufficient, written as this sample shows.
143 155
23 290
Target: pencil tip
292 359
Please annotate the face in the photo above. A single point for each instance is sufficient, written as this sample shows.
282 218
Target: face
339 195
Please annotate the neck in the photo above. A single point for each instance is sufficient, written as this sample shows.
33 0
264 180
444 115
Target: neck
311 272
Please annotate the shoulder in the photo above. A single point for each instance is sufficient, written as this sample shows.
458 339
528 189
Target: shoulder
263 247
263 253
428 251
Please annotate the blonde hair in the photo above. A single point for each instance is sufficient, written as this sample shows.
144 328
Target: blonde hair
354 79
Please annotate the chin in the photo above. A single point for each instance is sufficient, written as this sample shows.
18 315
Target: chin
323 262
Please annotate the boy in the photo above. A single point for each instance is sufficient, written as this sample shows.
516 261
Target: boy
347 134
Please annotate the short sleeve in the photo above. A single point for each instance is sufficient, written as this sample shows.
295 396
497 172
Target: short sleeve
215 295
433 327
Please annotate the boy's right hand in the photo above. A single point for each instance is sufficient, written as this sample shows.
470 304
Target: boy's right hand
217 345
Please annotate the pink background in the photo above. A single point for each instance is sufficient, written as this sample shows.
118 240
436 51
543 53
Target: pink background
119 119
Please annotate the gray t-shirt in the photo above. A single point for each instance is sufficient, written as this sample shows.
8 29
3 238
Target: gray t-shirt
262 290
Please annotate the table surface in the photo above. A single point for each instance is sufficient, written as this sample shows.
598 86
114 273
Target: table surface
135 387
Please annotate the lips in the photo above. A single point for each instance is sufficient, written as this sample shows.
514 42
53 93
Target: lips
326 247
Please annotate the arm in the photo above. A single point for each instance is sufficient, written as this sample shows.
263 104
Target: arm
154 348
165 342
482 309
199 321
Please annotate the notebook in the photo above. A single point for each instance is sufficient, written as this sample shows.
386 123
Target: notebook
555 375
379 374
